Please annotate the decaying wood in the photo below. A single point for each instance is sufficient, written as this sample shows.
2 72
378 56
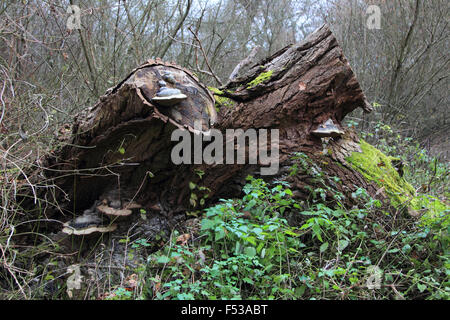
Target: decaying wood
124 142
310 83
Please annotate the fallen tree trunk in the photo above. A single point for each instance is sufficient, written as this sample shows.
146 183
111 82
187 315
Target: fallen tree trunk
123 144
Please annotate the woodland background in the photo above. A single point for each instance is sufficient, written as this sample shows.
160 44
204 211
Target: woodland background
48 73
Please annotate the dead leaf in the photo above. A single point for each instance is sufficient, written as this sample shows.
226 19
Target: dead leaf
379 191
183 239
131 282
157 285
74 280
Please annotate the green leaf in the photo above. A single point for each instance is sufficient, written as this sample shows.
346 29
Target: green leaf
49 277
220 233
406 248
324 247
291 233
316 229
263 253
252 240
250 205
260 247
163 259
243 229
258 231
421 287
250 251
343 244
238 247
208 224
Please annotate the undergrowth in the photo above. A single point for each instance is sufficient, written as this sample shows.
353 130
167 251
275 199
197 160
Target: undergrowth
246 249
266 245
427 173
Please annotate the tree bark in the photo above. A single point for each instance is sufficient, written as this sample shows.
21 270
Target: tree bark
123 143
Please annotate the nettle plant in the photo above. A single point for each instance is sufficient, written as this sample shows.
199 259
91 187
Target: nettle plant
243 254
246 249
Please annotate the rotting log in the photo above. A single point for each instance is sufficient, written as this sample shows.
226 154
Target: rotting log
123 143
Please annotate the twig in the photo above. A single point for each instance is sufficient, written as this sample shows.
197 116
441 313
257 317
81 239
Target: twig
205 57
177 28
8 267
434 175
3 103
183 42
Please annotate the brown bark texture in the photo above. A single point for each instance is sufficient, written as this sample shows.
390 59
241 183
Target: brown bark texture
123 143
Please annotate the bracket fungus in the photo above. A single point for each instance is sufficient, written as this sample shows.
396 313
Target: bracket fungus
132 205
113 212
86 224
168 77
168 96
328 129
82 231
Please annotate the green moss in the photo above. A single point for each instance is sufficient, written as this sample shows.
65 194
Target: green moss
376 166
435 210
221 101
263 76
215 90
432 204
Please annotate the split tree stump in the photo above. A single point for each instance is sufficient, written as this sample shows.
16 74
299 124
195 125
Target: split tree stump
124 142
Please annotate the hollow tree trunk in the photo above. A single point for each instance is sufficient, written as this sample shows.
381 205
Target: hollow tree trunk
123 143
